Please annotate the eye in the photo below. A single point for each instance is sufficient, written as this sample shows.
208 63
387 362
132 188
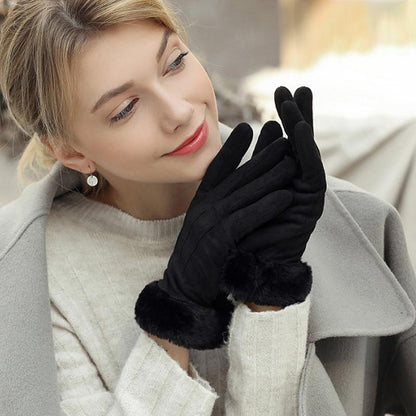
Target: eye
178 62
125 112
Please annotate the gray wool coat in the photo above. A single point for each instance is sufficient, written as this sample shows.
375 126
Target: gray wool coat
361 352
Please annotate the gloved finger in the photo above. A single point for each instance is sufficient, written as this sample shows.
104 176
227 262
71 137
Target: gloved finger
290 116
276 178
270 131
303 98
313 173
255 167
228 158
281 95
247 219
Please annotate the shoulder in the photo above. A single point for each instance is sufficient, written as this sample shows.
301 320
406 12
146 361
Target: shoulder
16 217
340 185
356 199
377 218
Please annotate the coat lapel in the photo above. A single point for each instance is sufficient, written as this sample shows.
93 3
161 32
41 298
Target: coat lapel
354 293
317 395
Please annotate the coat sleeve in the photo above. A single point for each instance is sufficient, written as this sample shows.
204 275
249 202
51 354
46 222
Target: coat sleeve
397 393
150 383
267 353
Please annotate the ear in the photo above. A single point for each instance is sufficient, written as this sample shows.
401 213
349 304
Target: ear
71 158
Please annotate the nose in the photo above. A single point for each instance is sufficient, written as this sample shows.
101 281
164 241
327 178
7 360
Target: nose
174 110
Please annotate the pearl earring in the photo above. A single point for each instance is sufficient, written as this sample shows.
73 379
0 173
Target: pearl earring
92 180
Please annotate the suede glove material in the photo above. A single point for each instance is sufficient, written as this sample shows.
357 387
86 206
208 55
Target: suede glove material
187 306
266 266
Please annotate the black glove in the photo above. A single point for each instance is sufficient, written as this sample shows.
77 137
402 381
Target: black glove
266 266
186 306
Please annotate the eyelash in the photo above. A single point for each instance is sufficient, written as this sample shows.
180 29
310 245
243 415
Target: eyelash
178 63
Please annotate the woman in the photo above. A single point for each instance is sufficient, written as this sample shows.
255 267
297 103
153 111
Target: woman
109 91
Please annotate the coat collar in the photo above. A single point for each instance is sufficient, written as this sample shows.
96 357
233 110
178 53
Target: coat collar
35 201
354 293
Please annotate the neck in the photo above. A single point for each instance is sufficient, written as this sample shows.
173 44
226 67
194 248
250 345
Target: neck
150 201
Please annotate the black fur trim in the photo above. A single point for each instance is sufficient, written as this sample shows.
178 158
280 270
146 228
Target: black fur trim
184 323
251 279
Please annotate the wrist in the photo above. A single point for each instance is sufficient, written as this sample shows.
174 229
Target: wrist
254 280
178 353
254 307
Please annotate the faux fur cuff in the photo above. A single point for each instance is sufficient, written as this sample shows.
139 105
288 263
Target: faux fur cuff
251 279
184 323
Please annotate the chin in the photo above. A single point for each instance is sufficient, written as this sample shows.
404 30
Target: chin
197 171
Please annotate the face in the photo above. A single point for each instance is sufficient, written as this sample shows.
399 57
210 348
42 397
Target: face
164 101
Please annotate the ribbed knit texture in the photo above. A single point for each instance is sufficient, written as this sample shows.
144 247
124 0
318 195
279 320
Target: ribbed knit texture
99 259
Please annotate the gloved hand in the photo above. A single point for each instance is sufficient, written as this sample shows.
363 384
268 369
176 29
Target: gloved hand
266 267
186 306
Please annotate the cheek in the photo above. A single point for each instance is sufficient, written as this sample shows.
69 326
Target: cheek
129 149
112 146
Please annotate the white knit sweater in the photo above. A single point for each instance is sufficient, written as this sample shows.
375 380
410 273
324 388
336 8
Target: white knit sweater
99 259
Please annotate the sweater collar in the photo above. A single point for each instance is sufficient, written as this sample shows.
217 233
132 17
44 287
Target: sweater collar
93 215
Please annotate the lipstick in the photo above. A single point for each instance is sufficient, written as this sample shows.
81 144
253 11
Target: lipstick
193 143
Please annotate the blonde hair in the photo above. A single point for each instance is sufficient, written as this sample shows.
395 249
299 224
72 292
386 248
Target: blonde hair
38 42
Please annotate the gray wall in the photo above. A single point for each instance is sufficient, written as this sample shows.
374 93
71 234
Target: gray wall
233 38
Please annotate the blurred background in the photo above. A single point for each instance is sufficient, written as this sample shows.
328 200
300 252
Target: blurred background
357 56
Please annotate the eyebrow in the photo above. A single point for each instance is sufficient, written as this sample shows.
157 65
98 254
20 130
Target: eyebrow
122 88
163 44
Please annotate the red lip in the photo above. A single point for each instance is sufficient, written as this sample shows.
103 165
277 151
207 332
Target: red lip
189 139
